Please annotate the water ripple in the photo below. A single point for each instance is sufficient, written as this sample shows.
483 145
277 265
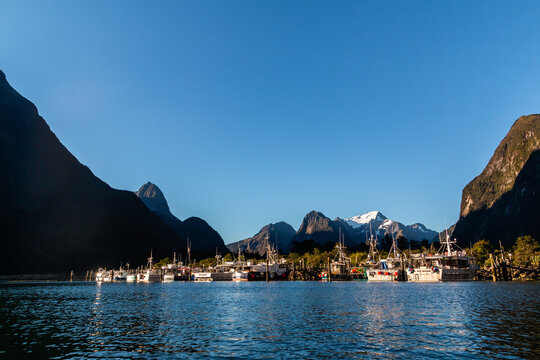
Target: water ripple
288 320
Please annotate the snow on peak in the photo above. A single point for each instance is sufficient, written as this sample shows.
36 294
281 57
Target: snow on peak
386 224
359 220
418 226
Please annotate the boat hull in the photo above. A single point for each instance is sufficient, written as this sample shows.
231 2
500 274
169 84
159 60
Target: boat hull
149 277
386 275
203 277
424 274
240 276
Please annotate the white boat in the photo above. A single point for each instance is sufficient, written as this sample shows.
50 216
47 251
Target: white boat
104 275
386 272
202 277
168 277
149 275
241 269
175 271
448 264
100 275
240 275
389 269
340 267
222 272
277 270
120 275
130 278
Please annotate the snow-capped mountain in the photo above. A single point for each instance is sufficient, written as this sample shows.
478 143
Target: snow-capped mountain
381 226
367 218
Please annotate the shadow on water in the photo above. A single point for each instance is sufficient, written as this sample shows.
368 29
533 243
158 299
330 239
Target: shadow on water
260 320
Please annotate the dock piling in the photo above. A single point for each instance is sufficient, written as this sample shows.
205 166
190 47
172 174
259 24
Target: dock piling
493 270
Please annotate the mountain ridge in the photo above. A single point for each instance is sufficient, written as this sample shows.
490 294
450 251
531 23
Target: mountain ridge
57 212
203 238
278 234
503 201
377 223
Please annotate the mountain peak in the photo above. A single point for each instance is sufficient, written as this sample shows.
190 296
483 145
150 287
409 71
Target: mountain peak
313 214
508 160
279 232
418 226
154 199
501 203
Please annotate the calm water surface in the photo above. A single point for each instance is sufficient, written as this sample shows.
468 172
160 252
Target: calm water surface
276 320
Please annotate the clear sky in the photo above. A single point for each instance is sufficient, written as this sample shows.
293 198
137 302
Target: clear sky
250 112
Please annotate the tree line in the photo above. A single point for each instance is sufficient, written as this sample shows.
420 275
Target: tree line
311 255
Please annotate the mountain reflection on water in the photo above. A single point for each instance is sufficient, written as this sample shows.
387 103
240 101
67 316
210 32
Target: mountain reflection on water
275 320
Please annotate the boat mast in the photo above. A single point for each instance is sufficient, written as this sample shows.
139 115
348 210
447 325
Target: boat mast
218 256
189 251
372 244
150 260
394 249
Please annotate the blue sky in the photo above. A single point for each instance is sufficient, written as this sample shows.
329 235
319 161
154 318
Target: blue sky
246 113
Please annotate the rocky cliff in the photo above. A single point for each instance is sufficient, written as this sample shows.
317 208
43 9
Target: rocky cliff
503 202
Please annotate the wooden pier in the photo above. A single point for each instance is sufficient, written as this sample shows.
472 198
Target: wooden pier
503 269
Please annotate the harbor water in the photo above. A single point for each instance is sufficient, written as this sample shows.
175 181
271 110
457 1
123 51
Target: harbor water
285 320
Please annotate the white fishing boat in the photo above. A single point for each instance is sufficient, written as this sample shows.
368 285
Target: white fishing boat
120 274
100 275
340 267
149 275
389 269
205 276
450 263
222 272
241 274
241 268
385 272
277 270
131 278
168 277
175 271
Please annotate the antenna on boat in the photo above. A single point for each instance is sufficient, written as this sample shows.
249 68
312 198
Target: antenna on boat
189 250
394 248
150 259
372 244
218 256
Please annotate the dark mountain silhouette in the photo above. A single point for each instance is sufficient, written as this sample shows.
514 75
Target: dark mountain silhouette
280 232
503 202
55 215
203 238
